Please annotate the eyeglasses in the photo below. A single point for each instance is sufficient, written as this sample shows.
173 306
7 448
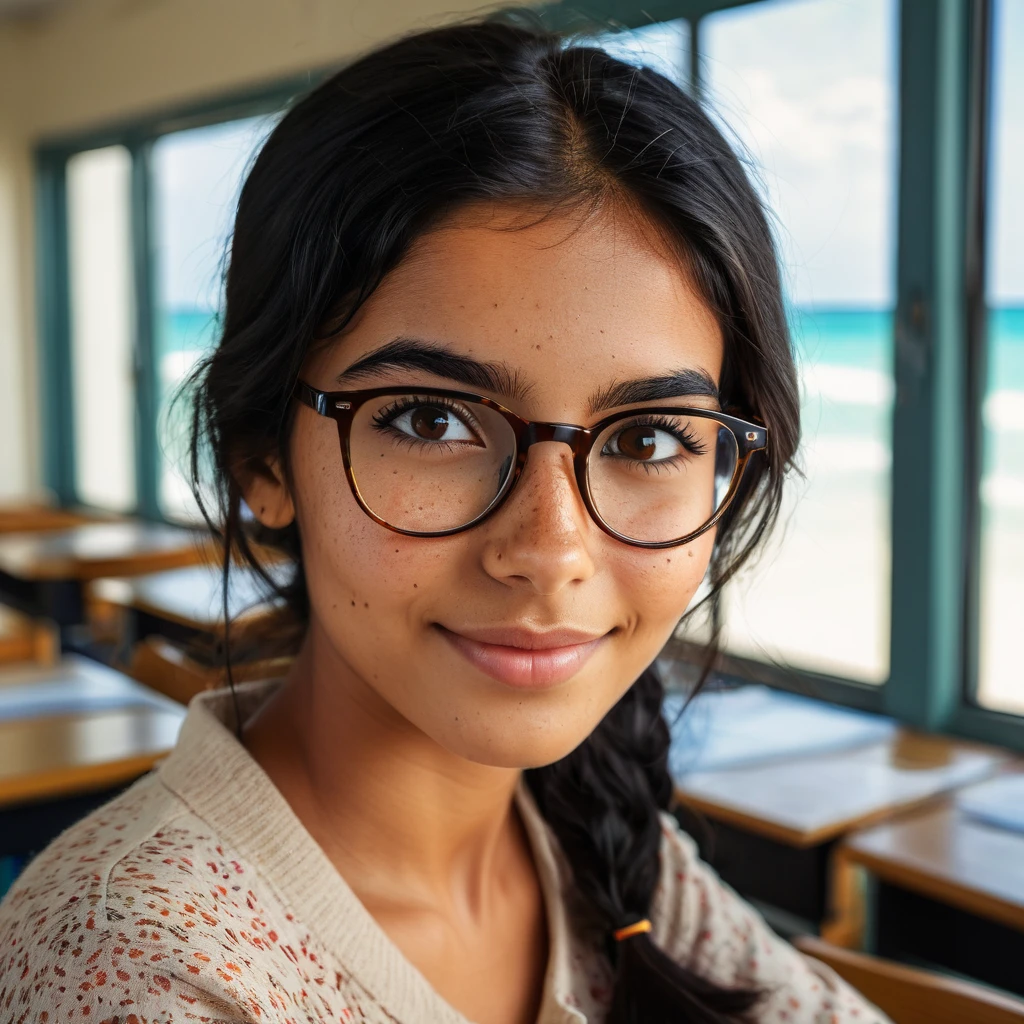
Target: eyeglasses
433 462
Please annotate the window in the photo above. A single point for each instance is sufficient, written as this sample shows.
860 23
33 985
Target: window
664 46
1001 604
102 324
197 175
818 122
862 167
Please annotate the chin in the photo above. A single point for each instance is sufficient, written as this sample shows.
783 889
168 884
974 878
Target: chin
518 739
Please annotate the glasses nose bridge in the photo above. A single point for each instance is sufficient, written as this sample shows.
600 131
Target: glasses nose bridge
565 433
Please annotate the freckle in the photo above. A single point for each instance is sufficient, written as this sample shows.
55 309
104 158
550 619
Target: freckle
415 586
366 604
690 553
668 559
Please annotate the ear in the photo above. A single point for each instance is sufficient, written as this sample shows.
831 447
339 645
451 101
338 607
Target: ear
265 492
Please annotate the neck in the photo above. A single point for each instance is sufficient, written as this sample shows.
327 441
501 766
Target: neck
395 811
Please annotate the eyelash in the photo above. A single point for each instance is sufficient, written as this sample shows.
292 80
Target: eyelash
684 437
383 419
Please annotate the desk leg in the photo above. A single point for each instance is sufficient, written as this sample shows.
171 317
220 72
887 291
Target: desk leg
845 923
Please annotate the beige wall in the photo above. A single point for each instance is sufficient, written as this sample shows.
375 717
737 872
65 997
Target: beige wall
19 446
93 62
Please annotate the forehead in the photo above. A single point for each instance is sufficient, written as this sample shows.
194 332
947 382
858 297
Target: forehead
569 303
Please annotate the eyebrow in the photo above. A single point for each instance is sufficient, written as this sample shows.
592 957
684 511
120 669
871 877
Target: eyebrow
413 354
499 378
686 383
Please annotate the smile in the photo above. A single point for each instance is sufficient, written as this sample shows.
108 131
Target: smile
523 659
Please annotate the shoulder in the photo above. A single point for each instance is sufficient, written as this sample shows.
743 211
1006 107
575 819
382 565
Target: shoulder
137 902
701 922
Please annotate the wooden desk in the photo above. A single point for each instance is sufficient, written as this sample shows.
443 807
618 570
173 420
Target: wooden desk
36 516
23 639
950 890
43 573
70 734
181 603
776 824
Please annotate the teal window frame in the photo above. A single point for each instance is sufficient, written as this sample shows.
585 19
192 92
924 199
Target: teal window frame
939 344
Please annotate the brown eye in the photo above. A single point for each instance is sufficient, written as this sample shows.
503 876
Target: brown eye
429 422
638 442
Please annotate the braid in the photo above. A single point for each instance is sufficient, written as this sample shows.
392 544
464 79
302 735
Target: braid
602 802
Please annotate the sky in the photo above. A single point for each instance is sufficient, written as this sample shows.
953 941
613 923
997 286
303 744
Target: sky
806 90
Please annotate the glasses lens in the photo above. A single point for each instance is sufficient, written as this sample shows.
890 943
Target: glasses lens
656 478
429 463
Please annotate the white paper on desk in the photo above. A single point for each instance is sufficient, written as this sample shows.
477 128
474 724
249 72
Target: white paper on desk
75 696
755 724
998 802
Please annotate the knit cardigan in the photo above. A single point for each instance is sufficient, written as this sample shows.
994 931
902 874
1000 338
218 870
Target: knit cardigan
198 895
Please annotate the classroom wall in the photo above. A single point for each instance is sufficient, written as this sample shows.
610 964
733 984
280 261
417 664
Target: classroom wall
93 62
18 421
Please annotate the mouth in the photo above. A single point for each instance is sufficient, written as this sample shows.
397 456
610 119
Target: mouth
525 659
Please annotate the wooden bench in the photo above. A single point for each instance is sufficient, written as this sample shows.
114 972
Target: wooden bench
164 666
912 996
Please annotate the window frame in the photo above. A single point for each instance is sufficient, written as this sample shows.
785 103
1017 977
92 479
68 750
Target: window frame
939 345
53 304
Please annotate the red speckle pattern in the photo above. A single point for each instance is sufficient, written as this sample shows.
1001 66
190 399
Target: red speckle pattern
169 929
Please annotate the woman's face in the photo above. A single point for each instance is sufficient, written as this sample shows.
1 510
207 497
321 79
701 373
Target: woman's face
429 628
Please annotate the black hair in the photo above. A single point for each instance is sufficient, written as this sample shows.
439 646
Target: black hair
368 161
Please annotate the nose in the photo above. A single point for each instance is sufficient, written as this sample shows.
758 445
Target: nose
538 540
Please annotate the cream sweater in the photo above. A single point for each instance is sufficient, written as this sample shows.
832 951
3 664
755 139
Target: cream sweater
198 895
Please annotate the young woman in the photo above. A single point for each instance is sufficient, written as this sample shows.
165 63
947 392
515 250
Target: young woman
504 369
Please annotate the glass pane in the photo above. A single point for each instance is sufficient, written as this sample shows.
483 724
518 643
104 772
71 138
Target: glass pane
664 46
102 326
808 90
197 175
1001 668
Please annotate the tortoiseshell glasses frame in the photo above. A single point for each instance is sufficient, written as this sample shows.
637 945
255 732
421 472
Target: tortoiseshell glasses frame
341 406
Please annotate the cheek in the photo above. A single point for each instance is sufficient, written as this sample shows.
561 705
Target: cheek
357 572
370 589
659 585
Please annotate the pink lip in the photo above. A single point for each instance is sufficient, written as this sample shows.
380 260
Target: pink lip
522 658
